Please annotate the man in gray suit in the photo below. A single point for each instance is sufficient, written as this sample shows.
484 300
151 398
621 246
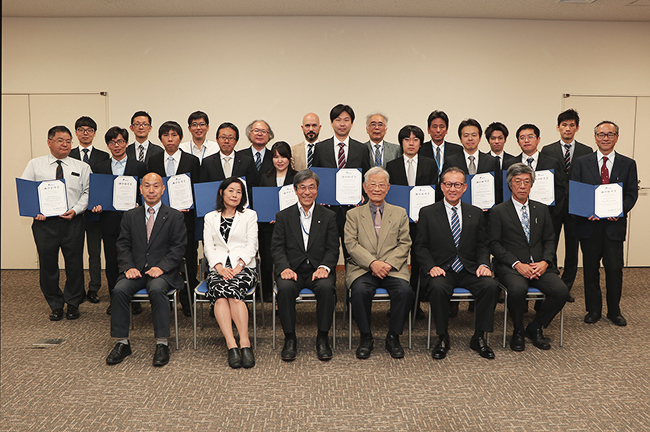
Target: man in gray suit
303 153
381 152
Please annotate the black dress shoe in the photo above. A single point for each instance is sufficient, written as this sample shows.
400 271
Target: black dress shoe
72 312
518 342
161 356
453 310
56 315
366 344
323 349
479 345
440 350
570 299
394 347
289 350
108 310
470 307
118 353
538 339
618 320
592 317
136 308
234 358
92 297
247 357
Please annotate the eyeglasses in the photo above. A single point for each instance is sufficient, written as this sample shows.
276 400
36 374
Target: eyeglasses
141 125
374 125
527 137
117 142
62 140
519 182
610 135
310 188
260 131
195 124
82 130
453 185
226 137
373 186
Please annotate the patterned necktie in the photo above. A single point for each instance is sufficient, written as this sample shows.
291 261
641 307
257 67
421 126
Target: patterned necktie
530 161
141 153
472 166
525 222
567 157
59 170
150 223
85 155
411 172
377 155
227 169
604 172
310 155
341 156
455 231
171 169
258 161
377 223
438 158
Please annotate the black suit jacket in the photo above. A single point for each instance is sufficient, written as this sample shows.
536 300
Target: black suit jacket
426 174
96 156
269 180
165 248
267 164
587 170
212 170
426 150
485 163
555 150
358 156
508 240
287 245
434 245
152 149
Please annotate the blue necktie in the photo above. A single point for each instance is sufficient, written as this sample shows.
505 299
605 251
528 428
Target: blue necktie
525 222
171 170
258 161
85 155
530 161
456 266
438 159
377 155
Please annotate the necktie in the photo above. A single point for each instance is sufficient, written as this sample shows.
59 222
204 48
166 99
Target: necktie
85 155
377 155
411 172
604 172
472 166
150 222
310 155
227 169
377 223
141 153
438 158
499 160
171 169
530 161
525 222
455 231
567 157
258 161
59 170
341 156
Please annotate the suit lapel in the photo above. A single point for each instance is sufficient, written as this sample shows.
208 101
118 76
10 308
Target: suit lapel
368 227
512 212
296 225
386 225
141 224
534 221
593 167
443 221
316 226
616 169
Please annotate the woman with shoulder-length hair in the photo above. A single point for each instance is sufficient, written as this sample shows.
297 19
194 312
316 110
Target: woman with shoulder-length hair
230 245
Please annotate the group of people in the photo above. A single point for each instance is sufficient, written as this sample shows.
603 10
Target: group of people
450 245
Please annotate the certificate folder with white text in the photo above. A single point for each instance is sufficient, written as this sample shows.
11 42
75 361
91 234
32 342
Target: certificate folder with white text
401 196
28 200
100 191
582 199
467 196
328 186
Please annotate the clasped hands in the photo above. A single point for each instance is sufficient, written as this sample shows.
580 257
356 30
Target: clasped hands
533 270
227 272
134 273
288 274
482 270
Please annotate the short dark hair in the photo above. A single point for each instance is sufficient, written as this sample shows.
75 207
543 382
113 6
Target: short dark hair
170 126
453 169
114 132
222 187
56 129
196 115
340 109
141 114
518 169
406 132
85 121
496 126
567 115
528 126
470 122
606 122
228 125
438 115
304 175
284 149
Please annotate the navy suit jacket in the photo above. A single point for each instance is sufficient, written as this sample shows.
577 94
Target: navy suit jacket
96 156
426 174
358 156
267 164
426 150
242 166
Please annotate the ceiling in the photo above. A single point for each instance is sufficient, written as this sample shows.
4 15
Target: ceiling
598 10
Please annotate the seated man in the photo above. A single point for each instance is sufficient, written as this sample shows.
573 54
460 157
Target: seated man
452 247
377 238
522 240
150 250
305 249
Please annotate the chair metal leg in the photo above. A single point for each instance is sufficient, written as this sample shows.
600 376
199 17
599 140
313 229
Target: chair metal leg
175 318
415 305
349 325
562 327
273 320
410 327
194 319
334 329
429 329
505 316
254 322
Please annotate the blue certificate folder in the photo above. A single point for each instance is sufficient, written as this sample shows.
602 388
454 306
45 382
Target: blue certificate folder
582 199
507 193
205 197
28 204
266 202
467 196
401 197
101 191
327 186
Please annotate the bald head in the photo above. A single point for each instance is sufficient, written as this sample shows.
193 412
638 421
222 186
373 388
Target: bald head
152 188
311 127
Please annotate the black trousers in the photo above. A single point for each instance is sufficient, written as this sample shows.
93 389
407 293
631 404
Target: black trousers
415 267
50 236
265 235
157 288
110 252
570 248
94 245
341 214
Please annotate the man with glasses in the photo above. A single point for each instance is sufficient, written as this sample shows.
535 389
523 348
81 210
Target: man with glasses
259 133
64 232
603 238
85 128
198 124
141 149
381 152
226 162
452 250
303 153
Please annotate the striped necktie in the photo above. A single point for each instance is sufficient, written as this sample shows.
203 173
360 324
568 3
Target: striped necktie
258 161
377 155
341 163
456 266
59 170
310 155
567 158
85 155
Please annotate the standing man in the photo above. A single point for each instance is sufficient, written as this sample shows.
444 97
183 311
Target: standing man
380 151
259 133
567 149
600 238
377 237
199 145
142 149
85 129
452 248
522 241
438 148
226 162
150 250
496 134
305 250
303 153
172 162
65 232
471 160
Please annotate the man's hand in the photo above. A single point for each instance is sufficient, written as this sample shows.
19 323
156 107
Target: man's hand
539 268
380 269
288 274
613 219
154 272
593 218
525 270
133 273
483 271
97 209
184 211
40 217
320 273
68 215
437 271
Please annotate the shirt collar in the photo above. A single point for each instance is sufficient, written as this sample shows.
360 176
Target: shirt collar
373 208
346 141
610 156
155 208
123 161
449 206
519 205
89 148
309 213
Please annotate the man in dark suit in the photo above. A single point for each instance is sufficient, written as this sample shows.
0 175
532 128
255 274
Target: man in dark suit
496 134
259 133
438 149
150 250
116 139
603 238
141 149
227 162
522 241
380 152
452 248
305 250
567 150
172 162
85 129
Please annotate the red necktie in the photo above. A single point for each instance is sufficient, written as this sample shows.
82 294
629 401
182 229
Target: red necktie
604 172
341 156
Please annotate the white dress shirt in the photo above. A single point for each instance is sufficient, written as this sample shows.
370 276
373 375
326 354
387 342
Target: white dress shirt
459 210
535 156
346 147
305 226
177 160
156 209
407 162
207 149
610 161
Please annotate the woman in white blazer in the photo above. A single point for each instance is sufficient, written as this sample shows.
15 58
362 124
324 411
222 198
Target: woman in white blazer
230 245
